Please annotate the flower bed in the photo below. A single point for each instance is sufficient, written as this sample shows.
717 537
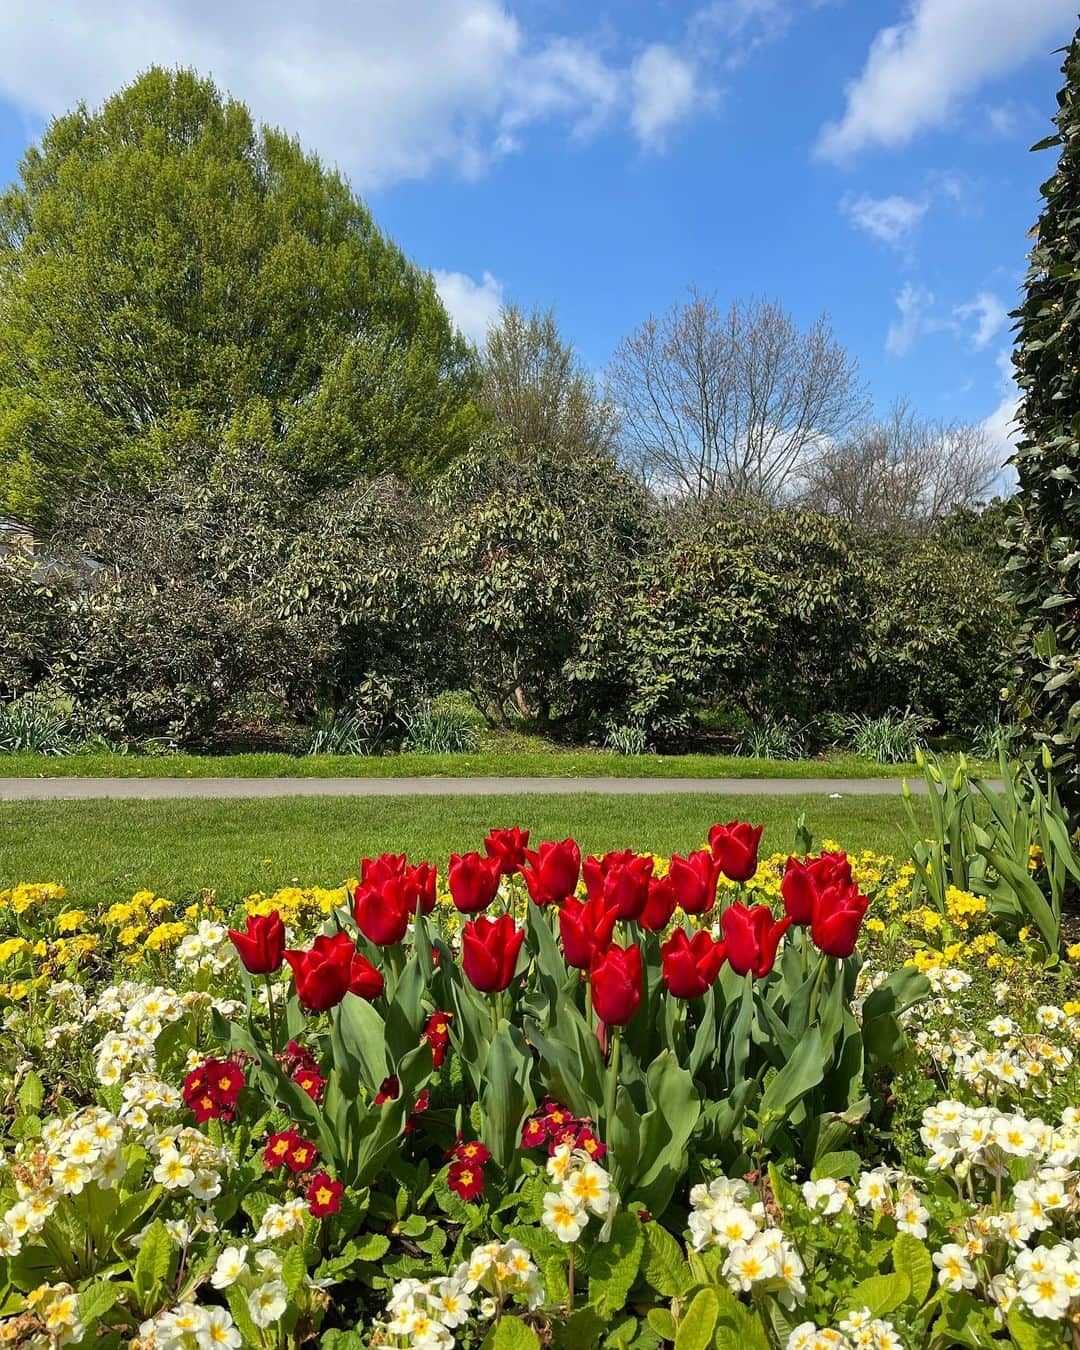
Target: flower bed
543 1100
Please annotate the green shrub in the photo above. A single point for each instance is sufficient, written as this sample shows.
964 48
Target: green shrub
891 738
773 738
32 723
433 730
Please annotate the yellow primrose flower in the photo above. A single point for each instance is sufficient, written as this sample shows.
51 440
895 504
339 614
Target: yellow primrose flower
130 935
875 925
70 920
1073 952
165 935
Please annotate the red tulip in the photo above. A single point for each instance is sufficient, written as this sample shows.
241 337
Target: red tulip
262 947
804 880
694 881
690 965
508 847
380 869
735 848
421 880
838 915
585 929
615 980
323 974
660 905
364 980
551 873
382 909
621 880
752 938
489 952
473 881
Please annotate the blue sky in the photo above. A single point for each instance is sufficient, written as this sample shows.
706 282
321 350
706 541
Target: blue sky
864 157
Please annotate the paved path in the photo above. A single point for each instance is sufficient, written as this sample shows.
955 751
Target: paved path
63 789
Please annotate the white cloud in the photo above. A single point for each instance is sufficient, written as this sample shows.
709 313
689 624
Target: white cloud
890 219
915 304
384 91
1000 426
989 315
665 91
473 305
918 69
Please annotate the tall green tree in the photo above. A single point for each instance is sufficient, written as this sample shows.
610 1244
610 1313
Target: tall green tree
1044 546
537 393
171 275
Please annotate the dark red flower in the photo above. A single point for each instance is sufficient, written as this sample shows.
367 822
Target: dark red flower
212 1090
588 1142
472 1152
551 873
533 1132
690 965
422 1104
421 880
278 1146
752 938
615 981
585 929
364 980
389 1090
694 879
489 952
838 915
473 881
660 905
324 1195
437 1034
620 880
262 947
735 848
508 848
803 881
311 1081
322 974
466 1179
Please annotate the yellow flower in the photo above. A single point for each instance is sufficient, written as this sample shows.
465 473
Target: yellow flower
18 991
165 935
1072 1008
70 920
1073 952
130 935
875 925
12 947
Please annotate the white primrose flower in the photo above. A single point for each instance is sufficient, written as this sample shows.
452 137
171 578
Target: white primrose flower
231 1265
563 1216
267 1303
954 1269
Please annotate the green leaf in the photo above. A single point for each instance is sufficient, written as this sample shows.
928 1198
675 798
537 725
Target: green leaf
614 1264
1030 1332
96 1301
373 1248
911 1258
837 1165
662 1322
880 1293
154 1259
511 1333
664 1262
698 1323
293 1268
31 1094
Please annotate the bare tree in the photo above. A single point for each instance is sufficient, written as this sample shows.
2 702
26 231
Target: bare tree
730 403
901 471
538 392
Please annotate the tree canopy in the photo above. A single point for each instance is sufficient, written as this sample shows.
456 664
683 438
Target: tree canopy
173 275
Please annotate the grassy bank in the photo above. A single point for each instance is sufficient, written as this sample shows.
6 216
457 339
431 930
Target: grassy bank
106 850
524 764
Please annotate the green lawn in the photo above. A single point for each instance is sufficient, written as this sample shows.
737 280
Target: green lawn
102 850
525 764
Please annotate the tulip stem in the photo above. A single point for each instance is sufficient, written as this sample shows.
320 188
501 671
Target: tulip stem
612 1084
815 993
271 1011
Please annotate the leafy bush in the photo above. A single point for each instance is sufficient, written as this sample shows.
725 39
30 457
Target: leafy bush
32 723
891 738
624 740
431 729
342 733
773 738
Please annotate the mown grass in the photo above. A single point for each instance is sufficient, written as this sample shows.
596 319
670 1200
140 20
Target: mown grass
528 764
104 850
